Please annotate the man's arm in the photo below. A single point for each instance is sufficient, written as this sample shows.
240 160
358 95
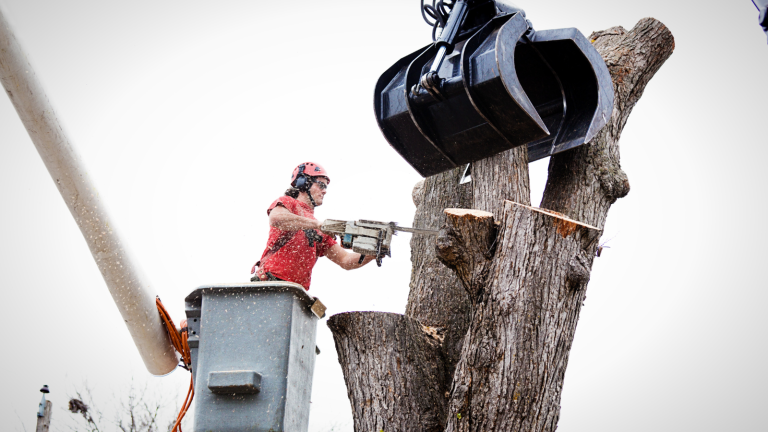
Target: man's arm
345 259
282 219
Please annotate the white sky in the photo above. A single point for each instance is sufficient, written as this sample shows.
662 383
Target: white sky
190 116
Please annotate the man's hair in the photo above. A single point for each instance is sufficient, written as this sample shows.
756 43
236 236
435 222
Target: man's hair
292 192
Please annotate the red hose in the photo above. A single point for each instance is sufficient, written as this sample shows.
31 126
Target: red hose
179 341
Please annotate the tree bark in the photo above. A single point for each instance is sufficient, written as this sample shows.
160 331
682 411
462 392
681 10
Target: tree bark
392 366
501 177
437 298
513 361
508 319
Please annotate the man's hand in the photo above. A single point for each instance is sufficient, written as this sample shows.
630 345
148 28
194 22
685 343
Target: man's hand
331 234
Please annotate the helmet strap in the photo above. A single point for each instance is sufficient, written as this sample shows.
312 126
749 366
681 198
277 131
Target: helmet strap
310 180
311 199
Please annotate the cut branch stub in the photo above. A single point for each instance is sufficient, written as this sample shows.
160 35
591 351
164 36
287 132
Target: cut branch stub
393 369
465 244
510 373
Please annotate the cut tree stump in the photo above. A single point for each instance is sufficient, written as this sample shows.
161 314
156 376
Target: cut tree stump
392 365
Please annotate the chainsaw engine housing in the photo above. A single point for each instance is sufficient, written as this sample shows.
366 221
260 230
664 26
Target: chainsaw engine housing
370 238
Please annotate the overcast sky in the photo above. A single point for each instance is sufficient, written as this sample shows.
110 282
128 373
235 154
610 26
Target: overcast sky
190 116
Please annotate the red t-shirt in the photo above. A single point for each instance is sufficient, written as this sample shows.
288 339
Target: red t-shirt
295 259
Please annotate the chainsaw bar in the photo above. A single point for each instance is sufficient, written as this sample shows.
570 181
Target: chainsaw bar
368 237
416 230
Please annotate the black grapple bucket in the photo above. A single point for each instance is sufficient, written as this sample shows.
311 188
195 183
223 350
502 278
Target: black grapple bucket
501 89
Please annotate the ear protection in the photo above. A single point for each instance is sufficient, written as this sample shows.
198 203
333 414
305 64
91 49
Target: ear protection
303 182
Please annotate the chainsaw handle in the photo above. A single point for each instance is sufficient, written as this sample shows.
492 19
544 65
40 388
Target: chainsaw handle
379 256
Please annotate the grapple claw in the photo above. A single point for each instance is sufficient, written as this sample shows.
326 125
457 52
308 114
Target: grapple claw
500 87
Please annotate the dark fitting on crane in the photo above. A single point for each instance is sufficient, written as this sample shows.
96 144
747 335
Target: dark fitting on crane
762 8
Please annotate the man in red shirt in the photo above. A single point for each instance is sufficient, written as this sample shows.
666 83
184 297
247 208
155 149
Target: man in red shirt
295 240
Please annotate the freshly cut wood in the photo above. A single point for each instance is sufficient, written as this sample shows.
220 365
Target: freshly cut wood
393 369
468 214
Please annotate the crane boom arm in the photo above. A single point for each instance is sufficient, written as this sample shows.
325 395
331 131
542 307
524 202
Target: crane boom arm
130 289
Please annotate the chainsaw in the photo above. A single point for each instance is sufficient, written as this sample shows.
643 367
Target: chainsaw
368 237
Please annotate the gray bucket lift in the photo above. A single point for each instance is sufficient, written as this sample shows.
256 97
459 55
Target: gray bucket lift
253 356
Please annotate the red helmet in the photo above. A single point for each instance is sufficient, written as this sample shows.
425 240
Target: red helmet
308 169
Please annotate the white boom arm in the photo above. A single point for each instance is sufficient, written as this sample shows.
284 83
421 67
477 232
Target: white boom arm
129 288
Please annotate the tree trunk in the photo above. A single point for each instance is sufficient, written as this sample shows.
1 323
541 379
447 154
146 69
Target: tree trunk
508 319
513 361
389 359
437 298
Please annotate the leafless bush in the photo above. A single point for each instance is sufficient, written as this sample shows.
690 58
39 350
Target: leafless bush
134 410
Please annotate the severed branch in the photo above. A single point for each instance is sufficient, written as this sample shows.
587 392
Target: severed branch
465 245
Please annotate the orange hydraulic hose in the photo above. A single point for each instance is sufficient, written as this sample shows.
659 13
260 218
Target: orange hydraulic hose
179 341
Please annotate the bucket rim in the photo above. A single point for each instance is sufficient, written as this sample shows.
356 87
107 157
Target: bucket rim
250 287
